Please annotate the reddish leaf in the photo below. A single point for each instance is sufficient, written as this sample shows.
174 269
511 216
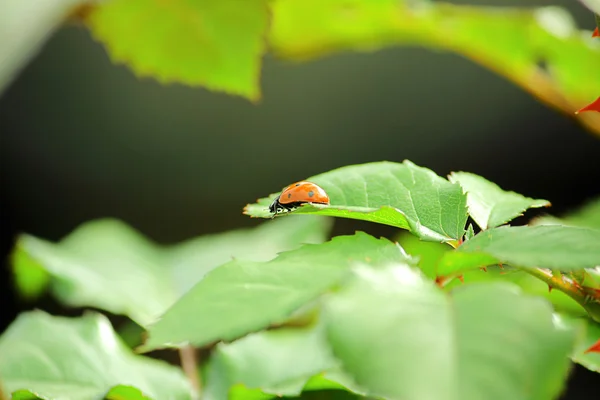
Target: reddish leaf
595 348
596 33
593 106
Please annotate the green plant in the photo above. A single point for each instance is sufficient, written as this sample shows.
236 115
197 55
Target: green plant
448 311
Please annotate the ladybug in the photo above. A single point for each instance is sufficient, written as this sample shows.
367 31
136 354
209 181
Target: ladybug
297 194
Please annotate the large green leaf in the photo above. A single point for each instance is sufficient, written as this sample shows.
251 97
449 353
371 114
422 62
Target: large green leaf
57 358
488 204
587 216
242 296
216 44
106 264
401 337
24 27
561 247
402 195
522 38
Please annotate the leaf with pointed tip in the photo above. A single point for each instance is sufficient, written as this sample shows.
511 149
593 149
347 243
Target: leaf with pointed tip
488 204
145 279
241 297
388 327
80 358
402 195
215 44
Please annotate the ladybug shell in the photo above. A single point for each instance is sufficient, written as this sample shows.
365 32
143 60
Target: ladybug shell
303 192
295 195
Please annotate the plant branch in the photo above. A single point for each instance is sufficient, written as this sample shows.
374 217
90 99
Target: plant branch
189 363
588 299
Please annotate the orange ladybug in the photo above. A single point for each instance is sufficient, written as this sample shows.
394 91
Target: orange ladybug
297 194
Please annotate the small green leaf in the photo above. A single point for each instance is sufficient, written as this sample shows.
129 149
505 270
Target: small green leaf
488 204
267 360
216 44
123 392
590 334
401 337
559 247
80 358
401 195
470 232
243 296
108 265
588 216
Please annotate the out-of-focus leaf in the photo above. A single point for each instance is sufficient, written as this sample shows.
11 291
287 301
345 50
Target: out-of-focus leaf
24 27
241 297
216 44
587 216
590 334
455 262
528 284
108 265
268 361
429 253
389 328
593 5
488 204
523 38
81 359
402 195
560 247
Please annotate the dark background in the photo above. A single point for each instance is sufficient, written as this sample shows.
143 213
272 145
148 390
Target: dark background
83 139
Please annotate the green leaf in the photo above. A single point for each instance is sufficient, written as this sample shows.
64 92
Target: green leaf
401 337
587 216
215 44
267 360
80 359
488 204
243 296
19 42
560 247
589 334
307 29
454 262
123 392
401 195
428 253
107 265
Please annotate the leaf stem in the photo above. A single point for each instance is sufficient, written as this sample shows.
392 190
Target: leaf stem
189 363
589 300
